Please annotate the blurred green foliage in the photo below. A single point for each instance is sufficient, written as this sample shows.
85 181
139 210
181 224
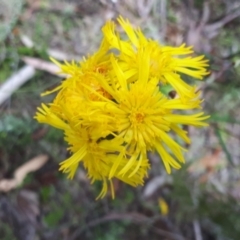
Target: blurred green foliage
6 232
15 132
217 213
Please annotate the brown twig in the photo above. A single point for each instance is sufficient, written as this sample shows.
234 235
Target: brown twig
133 217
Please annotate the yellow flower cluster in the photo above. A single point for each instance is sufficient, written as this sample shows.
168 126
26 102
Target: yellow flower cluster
113 110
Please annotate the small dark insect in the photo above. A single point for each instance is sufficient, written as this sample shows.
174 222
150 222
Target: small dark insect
172 94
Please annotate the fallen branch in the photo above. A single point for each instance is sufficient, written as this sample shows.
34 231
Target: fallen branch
31 166
43 65
14 82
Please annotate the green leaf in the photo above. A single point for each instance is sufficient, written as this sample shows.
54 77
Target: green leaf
53 218
227 119
222 143
165 89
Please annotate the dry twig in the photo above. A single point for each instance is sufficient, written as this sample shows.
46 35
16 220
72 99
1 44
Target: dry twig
14 82
42 65
32 165
133 217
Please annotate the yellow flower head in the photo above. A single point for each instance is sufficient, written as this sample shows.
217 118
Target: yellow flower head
98 157
144 116
112 108
164 61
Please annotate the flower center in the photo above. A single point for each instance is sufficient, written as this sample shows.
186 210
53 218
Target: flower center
139 117
136 117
